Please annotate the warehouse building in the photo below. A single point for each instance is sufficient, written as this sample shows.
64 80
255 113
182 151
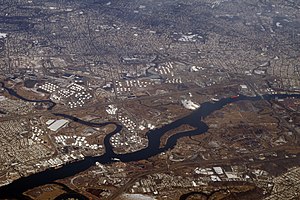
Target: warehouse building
55 126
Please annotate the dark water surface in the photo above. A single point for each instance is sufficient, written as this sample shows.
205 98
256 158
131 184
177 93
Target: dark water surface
193 119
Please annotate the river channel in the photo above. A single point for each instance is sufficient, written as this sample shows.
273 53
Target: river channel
21 185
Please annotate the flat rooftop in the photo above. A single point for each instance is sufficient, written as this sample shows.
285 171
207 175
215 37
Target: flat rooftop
58 124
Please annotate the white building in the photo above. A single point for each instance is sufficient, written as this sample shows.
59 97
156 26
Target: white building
58 124
188 104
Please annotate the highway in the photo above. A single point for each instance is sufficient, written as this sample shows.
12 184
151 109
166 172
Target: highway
240 160
99 105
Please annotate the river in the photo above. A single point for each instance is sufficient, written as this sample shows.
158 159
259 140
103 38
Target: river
15 94
21 185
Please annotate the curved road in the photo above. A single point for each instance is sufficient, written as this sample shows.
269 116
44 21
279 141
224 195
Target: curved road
193 119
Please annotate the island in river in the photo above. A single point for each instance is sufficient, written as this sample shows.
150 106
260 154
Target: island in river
193 119
161 99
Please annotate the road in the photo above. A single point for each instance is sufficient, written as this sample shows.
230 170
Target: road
102 104
241 160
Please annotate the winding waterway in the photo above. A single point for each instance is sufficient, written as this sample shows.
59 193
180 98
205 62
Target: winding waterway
193 119
15 94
